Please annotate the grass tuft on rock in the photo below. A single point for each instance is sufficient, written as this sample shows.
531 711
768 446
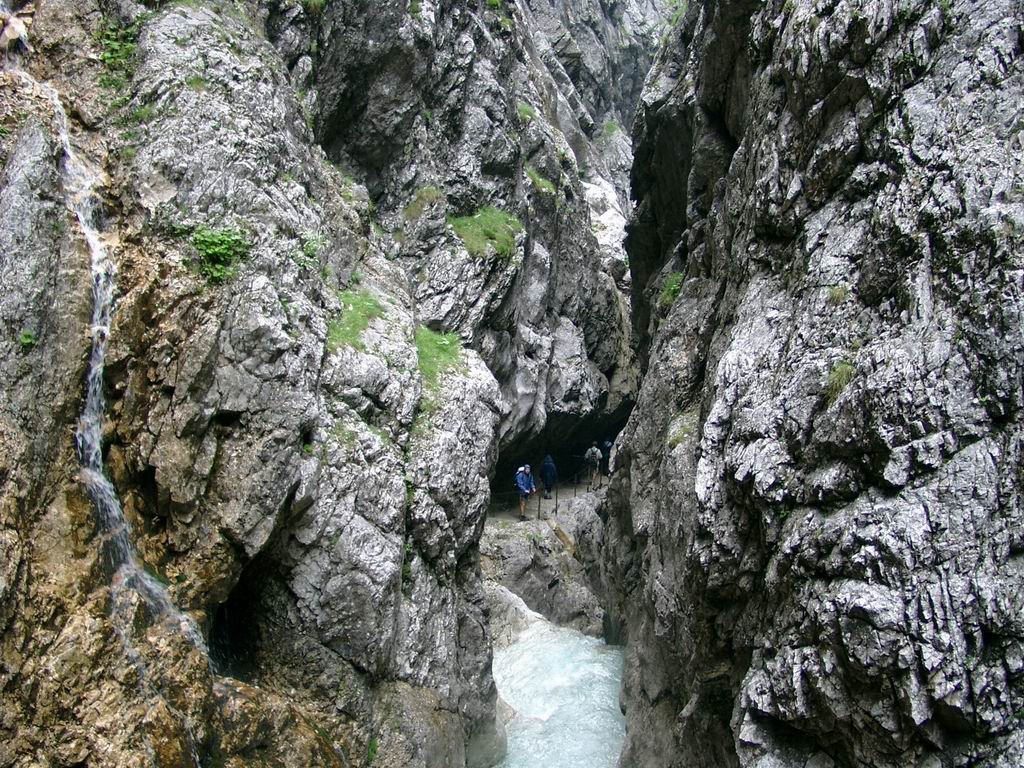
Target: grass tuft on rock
670 291
838 378
539 182
424 196
487 228
837 294
358 308
526 112
438 354
220 250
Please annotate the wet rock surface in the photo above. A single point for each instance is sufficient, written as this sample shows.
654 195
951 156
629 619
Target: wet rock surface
814 536
541 563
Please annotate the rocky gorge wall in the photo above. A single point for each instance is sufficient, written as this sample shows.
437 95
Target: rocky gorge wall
814 536
310 371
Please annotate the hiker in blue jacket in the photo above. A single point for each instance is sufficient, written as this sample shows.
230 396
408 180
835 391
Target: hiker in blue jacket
548 474
524 484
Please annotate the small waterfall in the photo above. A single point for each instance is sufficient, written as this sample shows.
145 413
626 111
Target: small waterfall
130 581
81 183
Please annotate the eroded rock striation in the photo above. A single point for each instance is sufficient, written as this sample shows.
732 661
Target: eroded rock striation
817 520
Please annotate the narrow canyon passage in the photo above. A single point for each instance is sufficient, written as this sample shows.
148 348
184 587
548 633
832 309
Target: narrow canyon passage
563 688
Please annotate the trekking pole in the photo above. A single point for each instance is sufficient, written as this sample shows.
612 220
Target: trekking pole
538 506
556 499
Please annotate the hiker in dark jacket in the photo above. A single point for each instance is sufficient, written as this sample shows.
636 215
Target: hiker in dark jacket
525 486
549 475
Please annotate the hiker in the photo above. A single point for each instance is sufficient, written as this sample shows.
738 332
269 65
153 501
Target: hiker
525 486
549 475
593 460
606 458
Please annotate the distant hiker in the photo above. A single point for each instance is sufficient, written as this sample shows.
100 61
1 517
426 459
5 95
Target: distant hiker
593 461
606 457
525 486
549 475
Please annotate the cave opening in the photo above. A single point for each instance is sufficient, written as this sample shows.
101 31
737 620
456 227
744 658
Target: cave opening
236 626
565 437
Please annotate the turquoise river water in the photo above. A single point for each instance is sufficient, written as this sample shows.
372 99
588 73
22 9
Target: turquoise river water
564 687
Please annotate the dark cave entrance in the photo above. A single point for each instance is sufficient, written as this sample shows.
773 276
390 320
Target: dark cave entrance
235 633
566 438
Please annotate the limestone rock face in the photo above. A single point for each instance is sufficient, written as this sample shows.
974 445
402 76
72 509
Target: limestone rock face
538 561
306 390
447 108
816 523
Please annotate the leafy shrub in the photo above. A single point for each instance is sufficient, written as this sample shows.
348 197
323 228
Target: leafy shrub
494 5
526 112
220 250
423 197
358 308
539 181
670 291
838 379
488 227
314 7
118 45
371 751
438 353
610 129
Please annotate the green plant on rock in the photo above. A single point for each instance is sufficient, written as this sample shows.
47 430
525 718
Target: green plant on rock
494 5
220 251
314 7
438 353
414 8
27 340
539 182
487 228
610 129
837 294
358 308
424 196
118 45
670 291
838 379
526 112
371 751
142 114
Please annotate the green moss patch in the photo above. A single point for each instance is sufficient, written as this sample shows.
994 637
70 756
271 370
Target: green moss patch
539 182
438 354
358 308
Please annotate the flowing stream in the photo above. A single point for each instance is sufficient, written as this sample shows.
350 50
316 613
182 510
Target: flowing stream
564 688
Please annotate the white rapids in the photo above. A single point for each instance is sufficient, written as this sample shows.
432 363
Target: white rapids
564 688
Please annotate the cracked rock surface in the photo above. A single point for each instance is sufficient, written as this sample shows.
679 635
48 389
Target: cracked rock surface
815 532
